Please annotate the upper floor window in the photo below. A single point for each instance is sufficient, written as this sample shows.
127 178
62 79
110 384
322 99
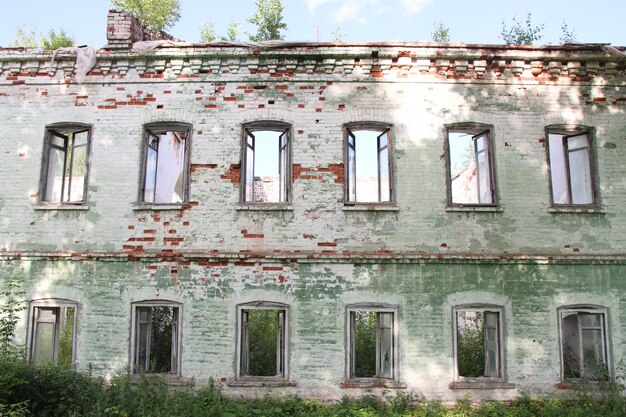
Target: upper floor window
65 163
156 340
471 173
571 166
478 347
584 350
266 163
262 340
372 342
368 166
52 330
165 168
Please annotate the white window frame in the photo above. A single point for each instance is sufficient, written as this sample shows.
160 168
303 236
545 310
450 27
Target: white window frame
177 350
375 308
155 130
599 310
501 351
248 159
566 132
350 143
240 351
61 305
477 130
66 132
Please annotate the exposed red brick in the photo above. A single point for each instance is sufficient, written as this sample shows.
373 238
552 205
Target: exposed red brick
272 268
308 236
326 244
233 174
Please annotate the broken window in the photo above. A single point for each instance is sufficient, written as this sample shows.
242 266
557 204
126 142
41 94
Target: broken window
262 340
571 174
166 160
156 346
66 164
368 163
584 343
52 332
373 343
471 179
266 161
478 341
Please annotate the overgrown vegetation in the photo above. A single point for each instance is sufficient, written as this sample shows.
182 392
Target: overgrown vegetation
27 38
155 14
522 33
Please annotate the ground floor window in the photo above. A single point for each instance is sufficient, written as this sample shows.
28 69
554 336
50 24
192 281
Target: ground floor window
156 341
372 347
478 334
262 340
584 343
53 327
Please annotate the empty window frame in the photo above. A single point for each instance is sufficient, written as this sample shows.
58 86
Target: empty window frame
156 337
165 168
262 340
584 350
471 173
368 163
571 166
372 343
52 332
266 162
65 167
478 342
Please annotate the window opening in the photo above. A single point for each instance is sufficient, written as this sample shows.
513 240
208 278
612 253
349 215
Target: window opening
262 342
372 339
368 166
471 172
478 343
570 168
584 345
156 339
52 339
267 170
165 173
67 165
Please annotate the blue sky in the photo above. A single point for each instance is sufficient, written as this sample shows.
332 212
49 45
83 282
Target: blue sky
476 21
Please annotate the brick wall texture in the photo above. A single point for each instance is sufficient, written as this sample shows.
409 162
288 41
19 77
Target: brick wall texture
316 254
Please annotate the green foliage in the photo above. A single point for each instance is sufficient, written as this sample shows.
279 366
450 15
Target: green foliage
440 33
207 32
262 342
567 35
13 303
521 33
471 347
56 40
364 344
154 14
268 18
232 34
24 37
338 34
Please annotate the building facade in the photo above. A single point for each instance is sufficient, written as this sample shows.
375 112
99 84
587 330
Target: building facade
319 219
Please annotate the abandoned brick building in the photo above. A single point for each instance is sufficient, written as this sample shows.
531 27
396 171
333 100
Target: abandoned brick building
319 219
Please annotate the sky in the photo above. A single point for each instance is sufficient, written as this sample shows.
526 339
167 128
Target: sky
469 21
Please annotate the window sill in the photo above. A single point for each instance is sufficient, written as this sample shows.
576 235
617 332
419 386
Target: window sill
160 207
370 207
480 384
486 209
264 207
576 209
78 207
372 383
259 382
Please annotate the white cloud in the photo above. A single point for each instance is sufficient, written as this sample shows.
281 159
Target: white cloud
352 10
414 6
313 4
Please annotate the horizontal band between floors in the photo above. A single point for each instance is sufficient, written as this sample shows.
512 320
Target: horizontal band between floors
339 257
